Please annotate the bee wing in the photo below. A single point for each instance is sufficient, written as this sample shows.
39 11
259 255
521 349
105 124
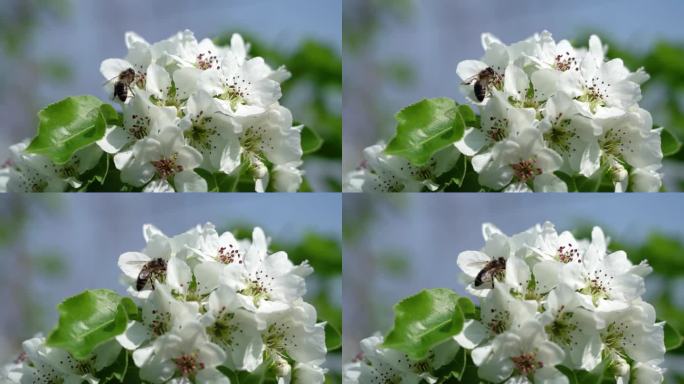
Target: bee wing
110 80
472 262
471 79
131 263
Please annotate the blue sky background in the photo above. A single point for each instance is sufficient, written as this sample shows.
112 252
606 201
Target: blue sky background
431 230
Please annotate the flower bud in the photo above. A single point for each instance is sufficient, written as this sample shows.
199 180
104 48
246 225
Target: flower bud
281 367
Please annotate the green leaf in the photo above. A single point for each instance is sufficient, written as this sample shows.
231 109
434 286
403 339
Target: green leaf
333 338
467 307
69 125
595 376
116 372
469 117
227 183
456 176
209 178
669 143
311 141
569 373
589 184
89 319
424 128
568 180
672 337
459 364
423 321
131 309
232 376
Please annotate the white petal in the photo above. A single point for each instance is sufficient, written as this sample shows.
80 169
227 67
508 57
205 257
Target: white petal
189 181
135 334
114 139
472 262
472 334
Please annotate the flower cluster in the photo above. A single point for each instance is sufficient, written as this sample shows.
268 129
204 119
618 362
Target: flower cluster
206 301
548 106
546 299
545 108
186 105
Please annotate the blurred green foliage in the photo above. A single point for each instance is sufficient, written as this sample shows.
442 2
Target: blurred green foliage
313 93
20 268
324 286
373 70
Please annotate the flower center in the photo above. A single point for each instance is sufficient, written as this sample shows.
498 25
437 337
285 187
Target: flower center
236 91
258 286
188 365
200 135
253 139
167 167
613 335
229 255
499 322
564 62
562 327
139 127
595 94
206 61
498 129
278 336
159 324
598 285
613 142
560 135
568 253
526 170
224 328
526 363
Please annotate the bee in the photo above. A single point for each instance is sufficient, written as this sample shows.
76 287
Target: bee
123 84
482 81
492 270
155 268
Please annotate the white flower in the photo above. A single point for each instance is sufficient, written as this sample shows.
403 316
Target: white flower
294 333
269 278
163 159
288 176
269 137
571 135
381 172
523 160
524 353
234 329
380 364
307 373
182 355
573 327
213 134
632 332
161 313
35 173
245 88
607 281
142 118
46 364
502 312
167 267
